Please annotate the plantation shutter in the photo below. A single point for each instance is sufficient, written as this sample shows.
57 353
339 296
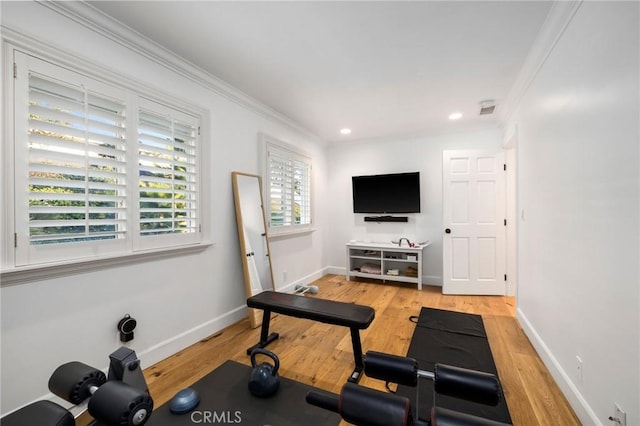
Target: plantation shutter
289 186
167 175
76 163
98 171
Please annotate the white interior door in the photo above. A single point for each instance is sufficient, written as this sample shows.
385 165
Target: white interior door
474 237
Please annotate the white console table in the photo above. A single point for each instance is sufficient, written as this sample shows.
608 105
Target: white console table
385 261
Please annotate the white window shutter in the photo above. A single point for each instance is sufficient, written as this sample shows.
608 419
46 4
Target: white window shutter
288 178
98 170
77 164
167 176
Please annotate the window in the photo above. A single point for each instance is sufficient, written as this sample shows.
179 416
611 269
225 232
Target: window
99 169
287 180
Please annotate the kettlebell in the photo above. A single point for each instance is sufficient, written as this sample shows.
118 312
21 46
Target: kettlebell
264 380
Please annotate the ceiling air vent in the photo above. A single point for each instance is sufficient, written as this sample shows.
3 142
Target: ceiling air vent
487 107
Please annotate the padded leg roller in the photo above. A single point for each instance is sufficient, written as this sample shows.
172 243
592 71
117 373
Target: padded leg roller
445 417
363 406
462 383
40 413
391 368
470 385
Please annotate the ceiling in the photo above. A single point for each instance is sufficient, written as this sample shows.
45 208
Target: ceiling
385 69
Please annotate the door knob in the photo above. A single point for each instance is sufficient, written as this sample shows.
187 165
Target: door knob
448 231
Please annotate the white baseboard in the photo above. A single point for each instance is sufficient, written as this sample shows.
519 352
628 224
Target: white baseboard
175 344
335 270
434 280
307 279
581 407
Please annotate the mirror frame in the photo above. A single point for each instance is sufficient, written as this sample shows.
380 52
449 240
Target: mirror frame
255 316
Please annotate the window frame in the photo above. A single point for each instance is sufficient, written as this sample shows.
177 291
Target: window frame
13 262
268 144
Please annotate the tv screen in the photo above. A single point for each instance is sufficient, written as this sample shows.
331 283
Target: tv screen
392 193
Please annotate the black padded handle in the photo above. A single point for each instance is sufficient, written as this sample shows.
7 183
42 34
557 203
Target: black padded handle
391 368
325 400
470 385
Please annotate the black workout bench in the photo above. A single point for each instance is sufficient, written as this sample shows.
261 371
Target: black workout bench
356 317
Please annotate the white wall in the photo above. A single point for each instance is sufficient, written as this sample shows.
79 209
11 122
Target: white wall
579 194
177 300
395 156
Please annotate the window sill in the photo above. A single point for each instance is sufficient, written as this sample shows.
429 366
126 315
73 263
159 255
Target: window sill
22 275
290 233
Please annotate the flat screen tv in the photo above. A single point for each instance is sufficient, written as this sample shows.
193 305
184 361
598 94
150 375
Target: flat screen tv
391 193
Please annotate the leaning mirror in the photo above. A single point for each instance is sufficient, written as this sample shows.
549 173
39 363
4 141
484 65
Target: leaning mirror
252 235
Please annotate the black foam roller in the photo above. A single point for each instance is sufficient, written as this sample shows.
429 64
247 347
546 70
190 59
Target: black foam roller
470 385
391 368
72 381
117 404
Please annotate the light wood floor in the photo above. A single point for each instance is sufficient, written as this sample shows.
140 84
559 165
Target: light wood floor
321 355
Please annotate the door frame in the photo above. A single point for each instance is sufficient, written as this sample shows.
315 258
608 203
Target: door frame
510 146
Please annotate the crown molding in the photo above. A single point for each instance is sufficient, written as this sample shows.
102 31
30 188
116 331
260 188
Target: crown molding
557 21
97 21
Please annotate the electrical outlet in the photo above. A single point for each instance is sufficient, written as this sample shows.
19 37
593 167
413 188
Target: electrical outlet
579 369
620 417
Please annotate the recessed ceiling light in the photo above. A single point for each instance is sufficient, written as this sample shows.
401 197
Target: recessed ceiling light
455 116
345 131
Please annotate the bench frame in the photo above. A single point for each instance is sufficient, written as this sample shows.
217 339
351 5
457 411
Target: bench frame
266 338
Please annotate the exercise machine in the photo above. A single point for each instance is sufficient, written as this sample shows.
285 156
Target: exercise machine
363 406
119 398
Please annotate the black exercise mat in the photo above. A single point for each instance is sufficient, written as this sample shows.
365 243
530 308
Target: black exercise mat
431 346
454 322
225 399
453 338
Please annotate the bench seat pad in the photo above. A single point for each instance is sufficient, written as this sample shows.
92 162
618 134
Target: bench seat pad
321 310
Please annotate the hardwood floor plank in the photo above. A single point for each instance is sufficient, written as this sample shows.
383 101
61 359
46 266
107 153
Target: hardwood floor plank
548 403
515 393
